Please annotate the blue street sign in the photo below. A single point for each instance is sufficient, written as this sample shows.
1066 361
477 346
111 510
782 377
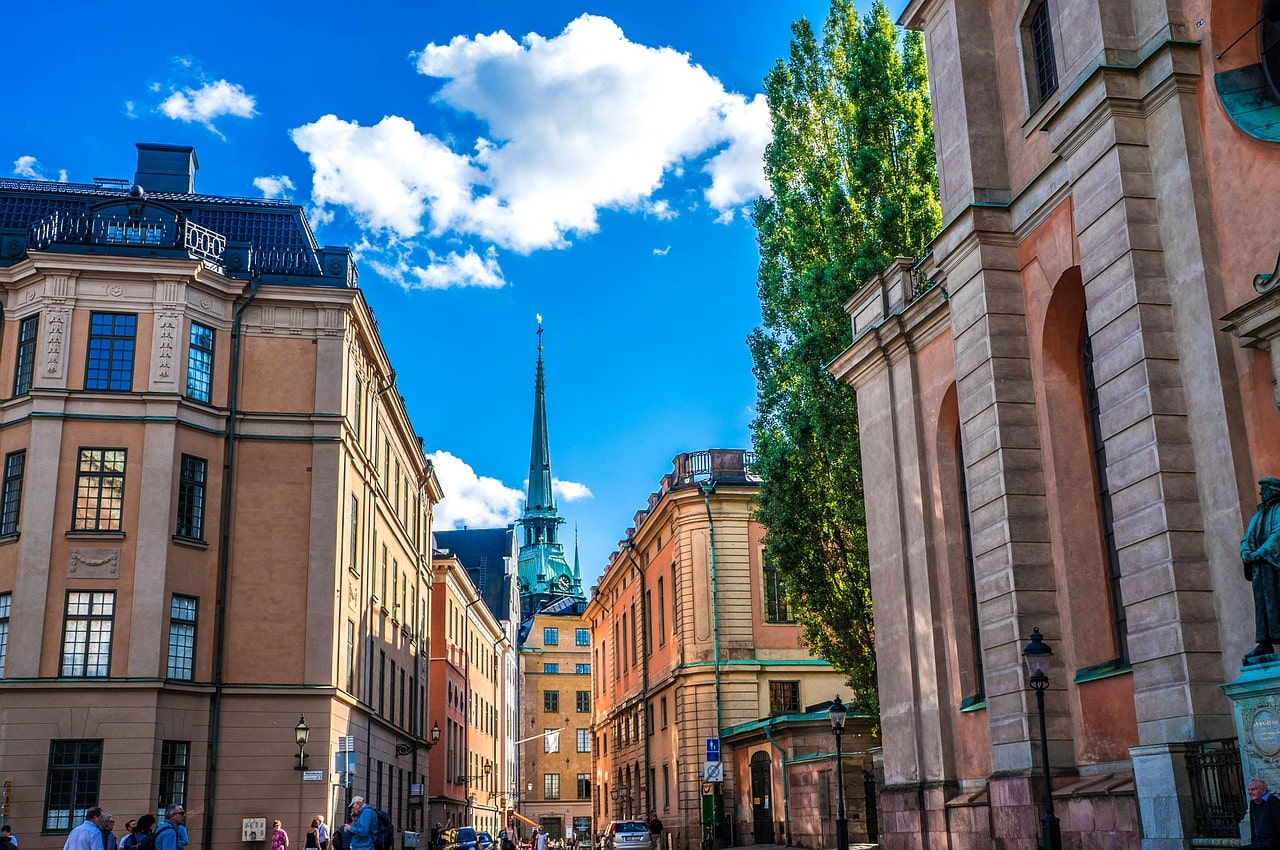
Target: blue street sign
713 749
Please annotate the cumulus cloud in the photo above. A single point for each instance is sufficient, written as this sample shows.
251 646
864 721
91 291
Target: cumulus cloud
574 124
211 100
472 500
662 252
447 272
274 185
29 167
570 491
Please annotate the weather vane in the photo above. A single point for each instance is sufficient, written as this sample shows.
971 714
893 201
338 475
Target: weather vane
539 331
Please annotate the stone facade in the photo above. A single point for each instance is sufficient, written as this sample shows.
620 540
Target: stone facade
1072 437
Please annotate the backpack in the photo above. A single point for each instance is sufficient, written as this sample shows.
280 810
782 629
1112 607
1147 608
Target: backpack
384 837
148 841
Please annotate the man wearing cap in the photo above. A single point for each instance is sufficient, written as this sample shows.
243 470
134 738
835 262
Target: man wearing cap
1260 551
363 826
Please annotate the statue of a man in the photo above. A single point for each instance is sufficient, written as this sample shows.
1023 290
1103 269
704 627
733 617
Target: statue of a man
1260 551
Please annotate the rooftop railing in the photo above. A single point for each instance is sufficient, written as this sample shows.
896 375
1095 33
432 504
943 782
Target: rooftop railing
73 228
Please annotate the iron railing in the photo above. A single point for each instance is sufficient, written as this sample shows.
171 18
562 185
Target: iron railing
72 228
1217 787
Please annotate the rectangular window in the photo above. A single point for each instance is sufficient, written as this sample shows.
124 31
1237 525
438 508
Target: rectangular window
584 702
355 535
548 667
582 637
666 786
99 490
551 701
15 468
584 740
584 786
551 786
776 609
182 637
75 773
662 613
200 363
784 697
111 343
550 636
6 602
675 600
191 491
351 656
582 669
357 408
86 633
175 759
25 370
663 703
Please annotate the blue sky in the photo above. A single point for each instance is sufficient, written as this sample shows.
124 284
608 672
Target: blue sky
490 161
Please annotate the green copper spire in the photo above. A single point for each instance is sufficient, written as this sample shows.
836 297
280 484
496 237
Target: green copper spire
544 573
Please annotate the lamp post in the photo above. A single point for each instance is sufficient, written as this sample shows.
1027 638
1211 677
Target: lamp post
837 712
1037 654
300 734
405 749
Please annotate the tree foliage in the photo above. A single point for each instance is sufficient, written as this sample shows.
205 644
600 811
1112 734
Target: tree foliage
853 185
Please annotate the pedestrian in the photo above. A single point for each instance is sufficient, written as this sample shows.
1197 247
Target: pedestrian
322 832
8 841
363 826
279 838
1264 817
108 831
312 841
539 839
172 834
141 828
88 835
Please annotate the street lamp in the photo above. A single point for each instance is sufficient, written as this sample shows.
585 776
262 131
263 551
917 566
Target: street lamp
464 779
1037 653
405 749
300 734
837 712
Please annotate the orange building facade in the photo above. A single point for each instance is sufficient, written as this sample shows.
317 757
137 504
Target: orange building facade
215 516
1064 410
691 640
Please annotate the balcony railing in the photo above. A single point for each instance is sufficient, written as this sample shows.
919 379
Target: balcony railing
64 228
1217 789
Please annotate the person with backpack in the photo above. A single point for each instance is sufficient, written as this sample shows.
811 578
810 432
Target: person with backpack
141 831
172 834
7 841
363 828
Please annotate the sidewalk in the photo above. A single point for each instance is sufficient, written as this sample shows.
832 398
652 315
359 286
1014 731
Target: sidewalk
784 847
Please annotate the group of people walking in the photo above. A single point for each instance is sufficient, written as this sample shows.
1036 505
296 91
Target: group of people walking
98 831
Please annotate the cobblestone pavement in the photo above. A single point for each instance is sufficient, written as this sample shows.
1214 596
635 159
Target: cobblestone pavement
784 847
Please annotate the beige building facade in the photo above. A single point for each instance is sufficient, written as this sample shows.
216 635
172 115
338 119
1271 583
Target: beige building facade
1064 410
692 640
215 516
553 744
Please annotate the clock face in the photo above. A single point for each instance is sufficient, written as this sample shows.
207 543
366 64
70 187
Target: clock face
564 582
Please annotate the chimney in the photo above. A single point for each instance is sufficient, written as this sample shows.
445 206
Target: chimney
166 168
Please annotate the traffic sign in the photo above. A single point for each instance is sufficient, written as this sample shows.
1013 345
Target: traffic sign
713 772
713 749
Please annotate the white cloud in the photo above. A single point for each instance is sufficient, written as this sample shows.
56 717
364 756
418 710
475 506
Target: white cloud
273 186
472 500
662 252
453 270
209 101
575 124
570 491
29 167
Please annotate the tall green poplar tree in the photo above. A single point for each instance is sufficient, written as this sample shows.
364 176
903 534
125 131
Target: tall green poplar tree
853 185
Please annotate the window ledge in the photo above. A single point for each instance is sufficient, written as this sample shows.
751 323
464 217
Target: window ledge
1042 113
100 535
977 702
190 542
1105 670
10 538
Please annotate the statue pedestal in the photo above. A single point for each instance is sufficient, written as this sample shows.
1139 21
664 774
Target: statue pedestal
1255 700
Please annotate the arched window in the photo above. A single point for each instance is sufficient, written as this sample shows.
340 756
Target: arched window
1037 52
971 574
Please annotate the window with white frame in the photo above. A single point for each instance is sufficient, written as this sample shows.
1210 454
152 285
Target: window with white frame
86 633
182 637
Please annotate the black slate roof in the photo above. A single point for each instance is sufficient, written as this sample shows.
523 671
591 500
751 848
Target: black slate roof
481 552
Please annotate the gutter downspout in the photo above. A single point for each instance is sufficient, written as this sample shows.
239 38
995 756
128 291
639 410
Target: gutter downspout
786 794
708 488
224 562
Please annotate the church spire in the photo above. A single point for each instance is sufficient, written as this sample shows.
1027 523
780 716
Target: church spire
541 500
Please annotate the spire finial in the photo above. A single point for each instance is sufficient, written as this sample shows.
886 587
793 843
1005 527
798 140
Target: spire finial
539 333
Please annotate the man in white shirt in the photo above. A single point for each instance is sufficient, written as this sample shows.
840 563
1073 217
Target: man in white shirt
322 833
88 835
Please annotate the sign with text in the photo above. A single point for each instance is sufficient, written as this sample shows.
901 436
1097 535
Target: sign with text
253 829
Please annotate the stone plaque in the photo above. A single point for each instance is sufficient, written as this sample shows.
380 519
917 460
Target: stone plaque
94 563
1263 732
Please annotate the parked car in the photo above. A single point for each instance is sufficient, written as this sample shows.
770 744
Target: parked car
628 835
484 841
460 838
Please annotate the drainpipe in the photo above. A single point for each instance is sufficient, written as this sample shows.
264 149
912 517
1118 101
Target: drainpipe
224 561
644 676
786 802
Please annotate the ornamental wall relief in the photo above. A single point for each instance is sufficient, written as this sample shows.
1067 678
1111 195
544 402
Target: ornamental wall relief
93 563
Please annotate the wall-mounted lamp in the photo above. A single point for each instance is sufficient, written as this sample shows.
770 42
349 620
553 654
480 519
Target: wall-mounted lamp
405 749
300 734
